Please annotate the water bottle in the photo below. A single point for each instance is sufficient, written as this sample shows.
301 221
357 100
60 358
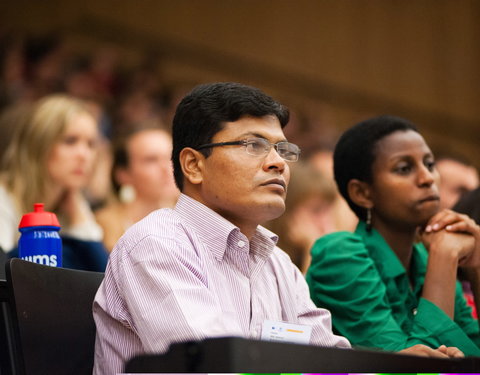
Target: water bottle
39 240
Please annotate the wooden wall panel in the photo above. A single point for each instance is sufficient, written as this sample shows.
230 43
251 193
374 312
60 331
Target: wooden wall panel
418 59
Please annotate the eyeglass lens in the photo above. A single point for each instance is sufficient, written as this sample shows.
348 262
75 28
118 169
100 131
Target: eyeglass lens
260 146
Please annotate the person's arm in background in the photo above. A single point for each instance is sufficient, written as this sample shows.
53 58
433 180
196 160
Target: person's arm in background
81 221
473 276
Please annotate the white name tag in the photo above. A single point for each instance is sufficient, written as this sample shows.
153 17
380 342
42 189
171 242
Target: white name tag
280 331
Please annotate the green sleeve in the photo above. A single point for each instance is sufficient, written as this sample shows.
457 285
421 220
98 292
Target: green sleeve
344 279
436 328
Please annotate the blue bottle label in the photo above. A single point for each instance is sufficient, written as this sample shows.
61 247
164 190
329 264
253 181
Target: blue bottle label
47 260
41 245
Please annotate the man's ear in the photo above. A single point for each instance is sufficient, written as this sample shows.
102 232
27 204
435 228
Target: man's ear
192 163
360 193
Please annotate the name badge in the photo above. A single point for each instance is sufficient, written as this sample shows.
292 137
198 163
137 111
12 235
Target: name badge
286 332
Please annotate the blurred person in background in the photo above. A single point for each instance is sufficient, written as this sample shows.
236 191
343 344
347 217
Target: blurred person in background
50 160
457 177
10 117
308 214
469 204
135 107
142 177
321 158
12 67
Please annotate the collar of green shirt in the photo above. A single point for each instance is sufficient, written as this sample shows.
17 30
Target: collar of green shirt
387 261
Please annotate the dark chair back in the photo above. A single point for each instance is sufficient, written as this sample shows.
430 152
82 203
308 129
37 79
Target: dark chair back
3 259
51 318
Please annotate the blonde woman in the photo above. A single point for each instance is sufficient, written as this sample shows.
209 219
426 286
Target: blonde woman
50 160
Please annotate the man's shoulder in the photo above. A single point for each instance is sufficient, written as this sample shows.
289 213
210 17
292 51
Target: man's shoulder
164 225
282 263
162 239
280 255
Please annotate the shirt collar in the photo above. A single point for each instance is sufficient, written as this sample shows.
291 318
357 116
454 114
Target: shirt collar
217 232
386 259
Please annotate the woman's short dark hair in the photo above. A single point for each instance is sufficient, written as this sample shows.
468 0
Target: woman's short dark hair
203 112
355 152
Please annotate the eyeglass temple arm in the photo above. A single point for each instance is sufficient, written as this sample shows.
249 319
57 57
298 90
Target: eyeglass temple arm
208 145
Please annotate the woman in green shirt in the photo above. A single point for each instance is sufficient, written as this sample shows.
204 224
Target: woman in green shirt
385 289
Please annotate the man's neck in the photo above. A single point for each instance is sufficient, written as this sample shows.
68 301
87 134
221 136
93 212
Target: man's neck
247 228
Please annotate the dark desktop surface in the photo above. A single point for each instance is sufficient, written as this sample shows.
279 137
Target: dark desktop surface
239 355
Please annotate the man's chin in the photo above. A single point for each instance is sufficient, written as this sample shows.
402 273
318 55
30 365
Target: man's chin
274 210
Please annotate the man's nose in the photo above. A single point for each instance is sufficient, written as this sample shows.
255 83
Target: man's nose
274 160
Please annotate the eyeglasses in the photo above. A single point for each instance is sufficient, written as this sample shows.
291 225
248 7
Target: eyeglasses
261 147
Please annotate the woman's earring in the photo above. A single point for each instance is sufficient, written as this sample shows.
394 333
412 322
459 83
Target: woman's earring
127 193
369 219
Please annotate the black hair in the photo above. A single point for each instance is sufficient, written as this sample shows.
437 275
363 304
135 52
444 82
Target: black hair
204 111
354 153
120 160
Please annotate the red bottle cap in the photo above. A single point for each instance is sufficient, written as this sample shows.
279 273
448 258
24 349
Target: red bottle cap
39 218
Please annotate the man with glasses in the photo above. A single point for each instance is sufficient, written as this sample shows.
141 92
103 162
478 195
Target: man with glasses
208 268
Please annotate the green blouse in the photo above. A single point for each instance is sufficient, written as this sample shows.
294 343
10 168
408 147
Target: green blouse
358 277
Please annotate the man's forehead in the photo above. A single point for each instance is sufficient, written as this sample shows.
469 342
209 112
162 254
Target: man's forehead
266 127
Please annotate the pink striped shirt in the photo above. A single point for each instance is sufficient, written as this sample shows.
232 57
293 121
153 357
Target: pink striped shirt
188 274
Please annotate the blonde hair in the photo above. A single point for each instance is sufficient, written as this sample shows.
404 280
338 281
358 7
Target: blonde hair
25 163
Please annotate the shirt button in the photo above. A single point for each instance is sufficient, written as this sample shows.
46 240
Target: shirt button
414 311
241 243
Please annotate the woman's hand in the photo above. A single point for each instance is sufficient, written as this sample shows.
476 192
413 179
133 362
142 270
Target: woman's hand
456 233
442 351
452 240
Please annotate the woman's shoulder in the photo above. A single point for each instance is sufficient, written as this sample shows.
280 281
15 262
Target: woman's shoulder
339 247
338 255
335 239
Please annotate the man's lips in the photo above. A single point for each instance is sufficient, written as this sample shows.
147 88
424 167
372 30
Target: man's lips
276 181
